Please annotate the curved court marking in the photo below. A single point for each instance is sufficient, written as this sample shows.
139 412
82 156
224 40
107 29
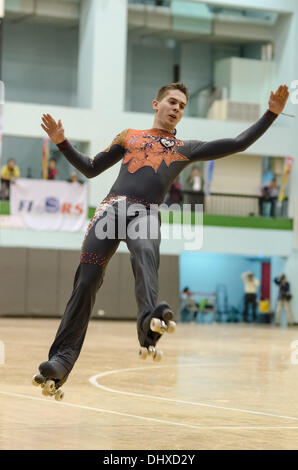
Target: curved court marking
159 421
94 381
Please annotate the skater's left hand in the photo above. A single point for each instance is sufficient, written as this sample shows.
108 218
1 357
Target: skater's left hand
278 99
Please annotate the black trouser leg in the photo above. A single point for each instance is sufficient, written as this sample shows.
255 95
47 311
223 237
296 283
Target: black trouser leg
250 299
72 330
144 255
88 279
254 306
246 303
145 264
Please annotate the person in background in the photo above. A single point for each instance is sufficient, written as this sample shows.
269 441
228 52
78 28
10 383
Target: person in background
196 180
174 195
9 173
284 298
73 178
197 186
269 194
188 305
52 170
251 285
273 191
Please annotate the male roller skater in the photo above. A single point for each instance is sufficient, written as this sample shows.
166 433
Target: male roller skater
150 161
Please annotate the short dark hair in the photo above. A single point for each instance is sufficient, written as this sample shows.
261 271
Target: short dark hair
171 86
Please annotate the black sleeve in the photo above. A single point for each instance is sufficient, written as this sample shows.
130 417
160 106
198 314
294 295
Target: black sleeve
223 147
91 167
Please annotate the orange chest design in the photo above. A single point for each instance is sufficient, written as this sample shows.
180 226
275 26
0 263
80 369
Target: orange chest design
147 149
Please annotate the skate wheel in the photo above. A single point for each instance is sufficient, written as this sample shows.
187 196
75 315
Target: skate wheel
157 357
167 315
37 380
156 325
49 386
143 353
171 327
45 392
59 395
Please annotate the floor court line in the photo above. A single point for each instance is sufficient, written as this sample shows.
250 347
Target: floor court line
94 381
159 421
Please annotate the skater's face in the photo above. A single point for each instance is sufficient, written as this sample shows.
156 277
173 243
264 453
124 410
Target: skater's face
170 109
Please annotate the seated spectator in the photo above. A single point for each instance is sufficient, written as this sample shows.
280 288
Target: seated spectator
73 178
52 170
9 173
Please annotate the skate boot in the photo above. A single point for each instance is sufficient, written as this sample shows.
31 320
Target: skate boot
152 327
52 376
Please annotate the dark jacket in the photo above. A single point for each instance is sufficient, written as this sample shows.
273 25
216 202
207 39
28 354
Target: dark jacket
284 289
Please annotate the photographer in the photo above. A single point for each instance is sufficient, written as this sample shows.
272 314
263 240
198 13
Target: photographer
251 285
284 298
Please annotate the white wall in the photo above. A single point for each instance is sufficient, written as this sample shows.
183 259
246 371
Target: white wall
226 240
237 174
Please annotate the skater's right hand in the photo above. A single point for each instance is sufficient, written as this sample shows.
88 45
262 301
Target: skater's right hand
54 130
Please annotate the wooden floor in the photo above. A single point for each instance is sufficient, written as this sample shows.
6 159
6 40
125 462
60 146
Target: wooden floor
220 386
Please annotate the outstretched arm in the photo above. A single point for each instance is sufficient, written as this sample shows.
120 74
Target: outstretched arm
90 167
224 147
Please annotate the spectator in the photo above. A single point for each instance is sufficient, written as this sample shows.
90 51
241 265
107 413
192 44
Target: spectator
9 173
196 180
274 191
73 178
188 306
284 298
251 285
269 194
174 196
52 170
197 185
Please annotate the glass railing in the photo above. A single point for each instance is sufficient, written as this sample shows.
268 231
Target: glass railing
265 17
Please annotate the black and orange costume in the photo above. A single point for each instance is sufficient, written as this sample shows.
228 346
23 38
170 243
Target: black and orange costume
151 160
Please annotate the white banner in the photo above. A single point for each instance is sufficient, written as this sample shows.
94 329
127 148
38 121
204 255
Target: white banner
49 205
